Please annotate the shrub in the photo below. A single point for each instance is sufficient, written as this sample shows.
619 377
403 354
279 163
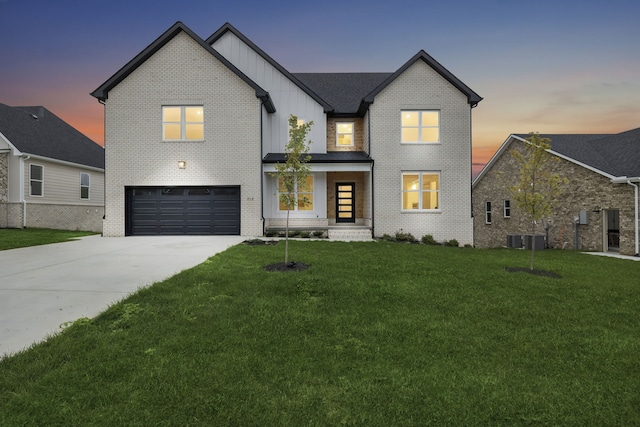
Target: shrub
305 234
452 242
271 233
428 239
404 237
388 238
318 233
294 233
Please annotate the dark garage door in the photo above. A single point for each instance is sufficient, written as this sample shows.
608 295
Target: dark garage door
182 210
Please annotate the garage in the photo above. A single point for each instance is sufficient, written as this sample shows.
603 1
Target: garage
182 210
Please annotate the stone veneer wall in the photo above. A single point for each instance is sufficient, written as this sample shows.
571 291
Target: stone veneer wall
586 190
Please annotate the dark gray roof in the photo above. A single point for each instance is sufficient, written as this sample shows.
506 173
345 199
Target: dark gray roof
344 91
615 154
331 157
37 131
102 92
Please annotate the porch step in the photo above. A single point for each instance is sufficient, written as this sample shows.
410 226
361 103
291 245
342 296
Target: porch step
349 234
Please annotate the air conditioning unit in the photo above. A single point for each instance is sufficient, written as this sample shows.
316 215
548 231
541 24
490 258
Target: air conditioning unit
537 240
514 241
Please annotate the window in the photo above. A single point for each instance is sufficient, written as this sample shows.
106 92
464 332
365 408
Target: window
487 212
36 180
344 134
420 190
420 127
84 185
302 193
507 208
182 123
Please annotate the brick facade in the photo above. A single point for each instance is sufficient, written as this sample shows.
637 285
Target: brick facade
182 73
421 88
358 134
586 191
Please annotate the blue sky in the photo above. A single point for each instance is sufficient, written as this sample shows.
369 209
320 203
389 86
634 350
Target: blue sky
549 66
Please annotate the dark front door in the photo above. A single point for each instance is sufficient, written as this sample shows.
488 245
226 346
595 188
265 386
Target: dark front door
346 202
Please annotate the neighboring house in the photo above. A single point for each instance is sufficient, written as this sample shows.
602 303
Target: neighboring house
51 175
598 210
194 128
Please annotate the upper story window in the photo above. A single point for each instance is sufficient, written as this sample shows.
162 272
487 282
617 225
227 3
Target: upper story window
420 190
303 193
420 126
182 123
36 180
487 212
84 185
507 208
344 134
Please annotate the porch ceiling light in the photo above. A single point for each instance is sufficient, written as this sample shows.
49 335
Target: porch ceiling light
182 164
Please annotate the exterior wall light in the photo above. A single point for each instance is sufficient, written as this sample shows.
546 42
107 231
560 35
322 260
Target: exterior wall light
182 164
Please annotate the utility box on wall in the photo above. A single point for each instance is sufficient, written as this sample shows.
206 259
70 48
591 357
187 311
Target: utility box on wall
583 218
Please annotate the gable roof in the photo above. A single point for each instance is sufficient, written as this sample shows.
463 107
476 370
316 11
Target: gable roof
344 91
472 98
611 155
102 92
227 27
39 132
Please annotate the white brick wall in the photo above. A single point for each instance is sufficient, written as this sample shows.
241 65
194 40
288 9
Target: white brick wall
421 88
180 73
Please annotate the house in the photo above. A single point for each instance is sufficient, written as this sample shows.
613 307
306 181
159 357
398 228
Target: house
195 127
51 175
598 210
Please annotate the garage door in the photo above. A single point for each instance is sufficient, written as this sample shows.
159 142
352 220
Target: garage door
182 210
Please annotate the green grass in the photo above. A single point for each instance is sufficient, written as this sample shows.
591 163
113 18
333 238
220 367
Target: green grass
372 334
12 238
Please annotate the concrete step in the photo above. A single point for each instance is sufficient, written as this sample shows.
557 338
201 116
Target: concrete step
350 234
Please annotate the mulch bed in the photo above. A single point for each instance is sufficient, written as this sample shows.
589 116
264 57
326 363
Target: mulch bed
259 242
286 267
534 272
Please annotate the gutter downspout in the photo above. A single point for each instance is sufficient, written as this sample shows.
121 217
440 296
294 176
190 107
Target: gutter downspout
262 171
22 196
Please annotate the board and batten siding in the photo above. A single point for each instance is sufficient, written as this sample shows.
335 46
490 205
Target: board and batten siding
61 184
286 95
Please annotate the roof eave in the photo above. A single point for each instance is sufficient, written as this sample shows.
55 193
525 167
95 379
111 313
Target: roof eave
102 92
472 98
227 27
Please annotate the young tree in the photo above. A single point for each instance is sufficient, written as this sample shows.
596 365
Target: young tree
292 174
537 187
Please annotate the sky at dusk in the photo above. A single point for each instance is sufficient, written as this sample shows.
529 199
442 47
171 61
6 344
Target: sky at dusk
560 66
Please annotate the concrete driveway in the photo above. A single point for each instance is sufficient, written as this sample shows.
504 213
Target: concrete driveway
42 287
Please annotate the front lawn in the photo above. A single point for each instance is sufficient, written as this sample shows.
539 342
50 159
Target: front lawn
12 238
372 334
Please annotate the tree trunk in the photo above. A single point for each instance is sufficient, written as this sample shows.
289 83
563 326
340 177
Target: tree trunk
286 237
533 243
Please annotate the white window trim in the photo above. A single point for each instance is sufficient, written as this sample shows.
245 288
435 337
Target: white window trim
507 215
295 208
88 186
183 123
420 127
40 180
487 212
353 134
420 191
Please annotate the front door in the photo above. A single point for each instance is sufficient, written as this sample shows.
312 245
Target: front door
346 202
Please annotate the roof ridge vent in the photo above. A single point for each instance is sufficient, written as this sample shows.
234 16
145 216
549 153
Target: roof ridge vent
34 116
